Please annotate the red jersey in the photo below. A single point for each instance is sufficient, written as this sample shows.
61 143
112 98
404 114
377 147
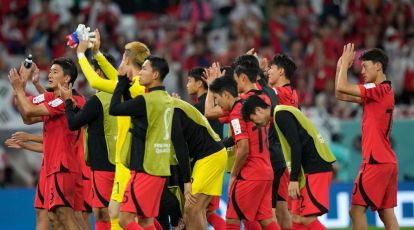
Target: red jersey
287 95
378 105
58 141
257 165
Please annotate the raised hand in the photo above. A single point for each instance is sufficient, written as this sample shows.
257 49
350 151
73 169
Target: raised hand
36 74
83 46
174 94
124 68
16 81
64 92
212 73
348 55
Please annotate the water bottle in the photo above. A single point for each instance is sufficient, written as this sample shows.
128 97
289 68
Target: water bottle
28 62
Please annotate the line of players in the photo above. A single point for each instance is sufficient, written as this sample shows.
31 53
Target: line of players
150 155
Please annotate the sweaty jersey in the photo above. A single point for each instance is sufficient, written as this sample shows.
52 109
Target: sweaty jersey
59 142
378 105
257 165
287 95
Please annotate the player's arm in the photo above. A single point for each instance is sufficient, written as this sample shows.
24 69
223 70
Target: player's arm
15 144
211 110
242 147
84 116
110 72
344 90
24 137
288 126
133 107
36 78
180 146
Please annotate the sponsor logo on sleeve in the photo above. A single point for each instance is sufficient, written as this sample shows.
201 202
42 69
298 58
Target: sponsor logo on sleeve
38 99
235 123
55 103
369 85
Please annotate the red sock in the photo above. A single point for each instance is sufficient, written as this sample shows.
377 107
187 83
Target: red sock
286 229
298 226
252 225
232 226
101 225
272 226
157 224
316 225
133 226
216 221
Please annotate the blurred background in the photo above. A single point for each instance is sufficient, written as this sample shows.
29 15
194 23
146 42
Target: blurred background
191 33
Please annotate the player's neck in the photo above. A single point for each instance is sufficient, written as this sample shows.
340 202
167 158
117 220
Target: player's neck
249 86
282 82
201 92
380 78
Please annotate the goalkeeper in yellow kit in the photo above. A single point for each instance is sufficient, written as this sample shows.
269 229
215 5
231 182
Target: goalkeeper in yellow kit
135 53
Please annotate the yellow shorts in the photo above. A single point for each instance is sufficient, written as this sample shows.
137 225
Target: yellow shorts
208 173
122 175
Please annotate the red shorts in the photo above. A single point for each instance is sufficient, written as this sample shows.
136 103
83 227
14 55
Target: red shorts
143 194
103 181
62 189
280 186
39 201
214 204
314 197
87 194
250 200
376 186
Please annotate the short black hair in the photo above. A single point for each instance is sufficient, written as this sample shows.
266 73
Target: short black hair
376 55
68 67
250 105
229 71
245 59
247 64
108 57
197 73
222 84
160 65
285 62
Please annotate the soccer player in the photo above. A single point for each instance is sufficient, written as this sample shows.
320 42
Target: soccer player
135 53
152 142
100 137
62 167
252 174
309 156
280 72
197 86
376 183
209 158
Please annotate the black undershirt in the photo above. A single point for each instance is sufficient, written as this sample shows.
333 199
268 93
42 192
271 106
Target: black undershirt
303 150
136 108
92 115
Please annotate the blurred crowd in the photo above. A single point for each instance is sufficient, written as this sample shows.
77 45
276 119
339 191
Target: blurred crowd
193 33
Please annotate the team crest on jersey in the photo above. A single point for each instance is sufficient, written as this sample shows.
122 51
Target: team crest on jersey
56 102
369 85
38 99
235 123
